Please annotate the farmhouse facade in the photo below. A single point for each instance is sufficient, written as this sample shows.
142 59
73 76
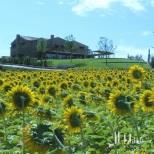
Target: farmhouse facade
25 46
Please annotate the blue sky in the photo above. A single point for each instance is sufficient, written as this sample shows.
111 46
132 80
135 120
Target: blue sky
129 23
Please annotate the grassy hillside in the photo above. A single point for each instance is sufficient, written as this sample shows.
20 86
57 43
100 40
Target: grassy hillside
119 63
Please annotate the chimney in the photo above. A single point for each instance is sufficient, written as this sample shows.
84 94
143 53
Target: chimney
17 37
52 36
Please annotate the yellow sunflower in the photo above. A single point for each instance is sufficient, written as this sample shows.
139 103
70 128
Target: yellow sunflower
93 116
45 112
121 103
115 83
1 82
136 73
64 85
32 139
147 101
41 138
36 83
21 97
68 101
83 97
86 83
52 90
73 117
6 87
47 99
42 90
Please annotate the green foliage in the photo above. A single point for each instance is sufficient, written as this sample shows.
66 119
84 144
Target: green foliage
152 62
102 132
70 44
41 47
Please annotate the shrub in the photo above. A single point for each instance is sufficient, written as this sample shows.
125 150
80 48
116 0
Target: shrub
5 60
1 67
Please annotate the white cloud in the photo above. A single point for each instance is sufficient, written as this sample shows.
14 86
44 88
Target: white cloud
40 2
146 33
89 5
84 6
134 5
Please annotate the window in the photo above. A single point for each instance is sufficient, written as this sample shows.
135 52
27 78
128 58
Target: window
82 48
14 46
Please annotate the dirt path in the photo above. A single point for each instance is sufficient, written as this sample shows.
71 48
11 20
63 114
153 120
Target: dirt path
30 67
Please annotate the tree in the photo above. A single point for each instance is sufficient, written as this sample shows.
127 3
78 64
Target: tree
149 56
41 48
106 47
152 62
136 57
70 45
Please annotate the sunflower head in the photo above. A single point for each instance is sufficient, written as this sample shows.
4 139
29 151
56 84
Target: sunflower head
86 83
137 87
63 93
47 99
76 87
68 101
93 84
106 92
73 117
38 133
1 82
92 116
115 83
52 90
136 73
7 87
42 90
36 83
64 85
41 137
21 97
43 134
121 103
44 112
147 101
82 97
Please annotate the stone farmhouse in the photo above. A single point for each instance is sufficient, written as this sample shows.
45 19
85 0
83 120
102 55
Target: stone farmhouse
25 46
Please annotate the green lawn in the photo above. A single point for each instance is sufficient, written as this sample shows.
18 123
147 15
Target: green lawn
118 63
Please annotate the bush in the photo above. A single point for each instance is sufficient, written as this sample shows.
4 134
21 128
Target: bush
5 60
152 62
1 67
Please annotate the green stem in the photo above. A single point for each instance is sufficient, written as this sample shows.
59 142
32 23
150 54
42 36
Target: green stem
136 128
23 124
5 132
83 140
57 139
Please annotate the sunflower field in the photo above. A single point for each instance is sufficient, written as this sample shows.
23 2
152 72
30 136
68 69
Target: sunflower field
77 111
